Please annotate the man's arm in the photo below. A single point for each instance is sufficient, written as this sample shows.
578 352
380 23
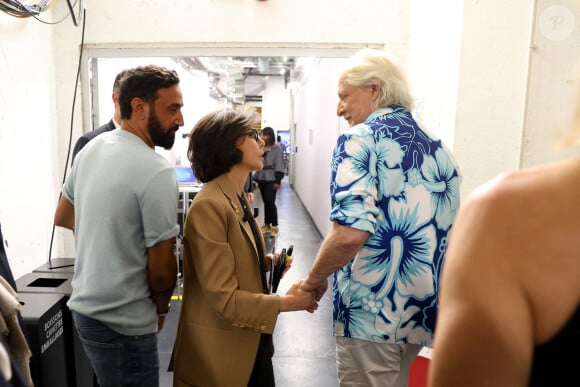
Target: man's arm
338 248
162 274
64 215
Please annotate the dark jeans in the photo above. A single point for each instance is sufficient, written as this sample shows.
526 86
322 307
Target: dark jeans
119 360
269 198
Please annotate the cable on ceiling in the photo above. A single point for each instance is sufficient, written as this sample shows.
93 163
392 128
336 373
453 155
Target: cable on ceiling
17 9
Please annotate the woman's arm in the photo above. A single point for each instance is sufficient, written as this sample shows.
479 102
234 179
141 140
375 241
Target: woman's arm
226 265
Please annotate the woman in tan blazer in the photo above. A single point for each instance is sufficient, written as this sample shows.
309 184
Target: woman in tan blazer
227 317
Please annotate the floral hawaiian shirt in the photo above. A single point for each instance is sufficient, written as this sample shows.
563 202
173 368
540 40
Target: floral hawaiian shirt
394 180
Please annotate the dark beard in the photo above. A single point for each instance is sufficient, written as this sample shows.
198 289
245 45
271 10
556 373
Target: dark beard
158 135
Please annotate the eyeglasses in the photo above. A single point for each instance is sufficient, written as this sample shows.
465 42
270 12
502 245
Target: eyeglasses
254 133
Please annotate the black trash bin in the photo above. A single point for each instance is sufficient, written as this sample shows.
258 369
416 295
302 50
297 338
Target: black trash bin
80 371
44 316
59 283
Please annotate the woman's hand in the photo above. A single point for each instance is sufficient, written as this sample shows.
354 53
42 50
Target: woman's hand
298 299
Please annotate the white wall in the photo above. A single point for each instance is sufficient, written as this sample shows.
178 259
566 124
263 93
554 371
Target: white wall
433 64
317 128
553 88
493 74
27 147
231 21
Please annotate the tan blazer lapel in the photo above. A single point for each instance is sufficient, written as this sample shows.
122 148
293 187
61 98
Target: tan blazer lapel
230 193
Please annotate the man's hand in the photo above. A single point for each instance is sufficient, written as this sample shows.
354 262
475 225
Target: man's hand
319 288
160 322
297 299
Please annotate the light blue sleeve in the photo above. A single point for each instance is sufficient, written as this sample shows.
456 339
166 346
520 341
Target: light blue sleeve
68 188
159 208
353 188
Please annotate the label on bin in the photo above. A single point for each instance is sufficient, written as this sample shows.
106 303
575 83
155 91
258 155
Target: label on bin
53 329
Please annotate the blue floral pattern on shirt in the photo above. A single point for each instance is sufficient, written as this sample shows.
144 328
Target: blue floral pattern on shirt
394 180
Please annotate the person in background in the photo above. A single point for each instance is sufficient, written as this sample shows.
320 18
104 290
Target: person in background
227 317
120 200
394 195
114 123
269 180
281 144
285 155
510 293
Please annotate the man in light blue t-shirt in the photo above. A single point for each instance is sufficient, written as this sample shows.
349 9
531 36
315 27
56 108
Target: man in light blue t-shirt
121 201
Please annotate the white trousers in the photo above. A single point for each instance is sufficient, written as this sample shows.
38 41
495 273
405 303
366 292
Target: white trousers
362 363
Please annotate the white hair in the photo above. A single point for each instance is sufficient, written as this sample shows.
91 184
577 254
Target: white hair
368 67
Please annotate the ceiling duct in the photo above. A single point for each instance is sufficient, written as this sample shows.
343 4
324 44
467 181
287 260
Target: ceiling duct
192 65
263 65
233 78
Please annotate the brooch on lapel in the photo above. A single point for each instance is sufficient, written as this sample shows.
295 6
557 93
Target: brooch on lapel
235 207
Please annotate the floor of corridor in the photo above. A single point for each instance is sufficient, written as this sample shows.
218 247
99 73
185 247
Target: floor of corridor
304 344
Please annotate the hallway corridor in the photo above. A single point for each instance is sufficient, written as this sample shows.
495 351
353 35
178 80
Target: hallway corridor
304 344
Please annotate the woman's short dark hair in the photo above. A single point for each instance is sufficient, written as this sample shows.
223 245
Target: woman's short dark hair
268 136
213 141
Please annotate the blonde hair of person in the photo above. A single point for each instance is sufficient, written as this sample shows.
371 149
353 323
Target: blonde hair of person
368 67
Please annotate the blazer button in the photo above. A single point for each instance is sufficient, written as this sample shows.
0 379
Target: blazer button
263 328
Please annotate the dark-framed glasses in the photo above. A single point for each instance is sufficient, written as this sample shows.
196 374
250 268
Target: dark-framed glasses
254 133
